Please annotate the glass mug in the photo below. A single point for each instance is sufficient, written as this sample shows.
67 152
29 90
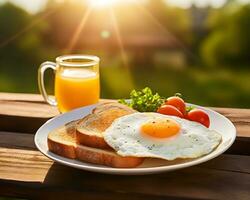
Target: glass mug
76 81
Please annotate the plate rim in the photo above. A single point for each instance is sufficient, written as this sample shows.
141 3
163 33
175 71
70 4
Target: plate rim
130 171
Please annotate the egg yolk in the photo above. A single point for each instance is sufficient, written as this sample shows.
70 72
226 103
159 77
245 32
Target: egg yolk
163 128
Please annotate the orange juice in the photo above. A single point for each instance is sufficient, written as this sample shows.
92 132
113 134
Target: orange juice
75 88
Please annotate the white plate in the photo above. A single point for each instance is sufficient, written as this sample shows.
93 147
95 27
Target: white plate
218 122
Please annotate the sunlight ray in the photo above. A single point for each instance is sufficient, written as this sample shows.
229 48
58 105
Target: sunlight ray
120 44
28 27
78 31
119 38
166 31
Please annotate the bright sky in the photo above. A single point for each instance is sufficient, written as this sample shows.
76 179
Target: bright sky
34 6
200 3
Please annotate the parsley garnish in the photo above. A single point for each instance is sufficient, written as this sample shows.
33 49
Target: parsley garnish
144 100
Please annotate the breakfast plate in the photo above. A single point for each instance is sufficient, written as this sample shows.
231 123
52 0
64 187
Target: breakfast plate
218 123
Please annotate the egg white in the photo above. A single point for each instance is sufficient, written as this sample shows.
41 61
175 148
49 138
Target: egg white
192 141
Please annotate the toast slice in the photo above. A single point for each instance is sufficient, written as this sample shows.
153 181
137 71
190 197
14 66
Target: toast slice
62 141
90 129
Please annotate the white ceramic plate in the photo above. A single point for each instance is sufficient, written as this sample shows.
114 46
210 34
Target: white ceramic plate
218 122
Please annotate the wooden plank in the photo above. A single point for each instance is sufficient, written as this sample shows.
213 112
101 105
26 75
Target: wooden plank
20 123
31 192
17 140
24 112
240 118
25 105
25 171
27 109
4 96
240 146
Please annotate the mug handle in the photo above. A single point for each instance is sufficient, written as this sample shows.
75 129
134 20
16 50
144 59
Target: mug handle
50 100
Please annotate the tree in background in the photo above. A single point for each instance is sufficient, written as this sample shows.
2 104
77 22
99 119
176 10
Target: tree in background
21 48
228 43
176 21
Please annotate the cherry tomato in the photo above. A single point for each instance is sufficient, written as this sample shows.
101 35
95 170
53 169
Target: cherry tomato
169 110
178 103
200 116
185 116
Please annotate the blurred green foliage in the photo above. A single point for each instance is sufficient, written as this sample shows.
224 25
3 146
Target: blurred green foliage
21 50
228 44
208 61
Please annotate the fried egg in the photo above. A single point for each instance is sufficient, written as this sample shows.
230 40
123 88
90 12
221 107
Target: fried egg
160 136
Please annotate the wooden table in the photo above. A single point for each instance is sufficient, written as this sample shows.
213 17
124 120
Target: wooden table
26 173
